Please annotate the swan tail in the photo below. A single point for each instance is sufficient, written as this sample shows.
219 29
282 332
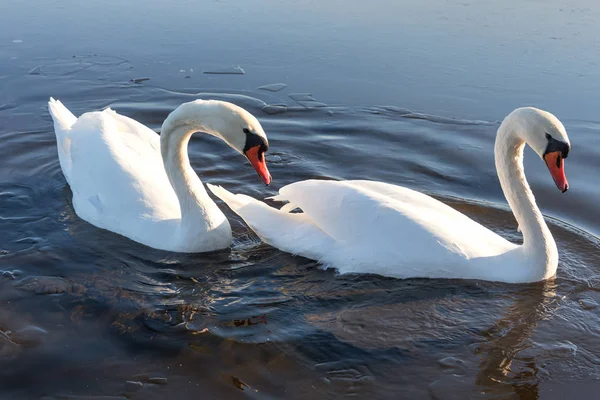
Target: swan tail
62 117
256 214
234 201
293 233
63 122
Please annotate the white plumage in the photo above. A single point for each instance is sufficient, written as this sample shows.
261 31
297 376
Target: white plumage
375 227
123 182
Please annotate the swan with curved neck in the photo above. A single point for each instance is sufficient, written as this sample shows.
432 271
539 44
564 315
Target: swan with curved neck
375 227
127 179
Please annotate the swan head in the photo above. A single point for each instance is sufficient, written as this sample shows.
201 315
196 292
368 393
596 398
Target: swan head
231 123
547 136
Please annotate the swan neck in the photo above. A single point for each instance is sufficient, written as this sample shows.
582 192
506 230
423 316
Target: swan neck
538 242
196 206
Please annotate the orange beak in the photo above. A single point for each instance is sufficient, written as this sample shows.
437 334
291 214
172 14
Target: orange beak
257 159
556 166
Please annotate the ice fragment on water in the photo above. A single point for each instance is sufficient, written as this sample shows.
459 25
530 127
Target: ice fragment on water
274 87
226 71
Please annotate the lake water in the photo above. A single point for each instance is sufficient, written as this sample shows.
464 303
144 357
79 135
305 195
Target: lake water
406 92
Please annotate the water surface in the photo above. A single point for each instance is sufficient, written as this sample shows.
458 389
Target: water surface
404 92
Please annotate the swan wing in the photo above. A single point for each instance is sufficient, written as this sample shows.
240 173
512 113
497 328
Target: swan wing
360 211
370 227
115 170
293 233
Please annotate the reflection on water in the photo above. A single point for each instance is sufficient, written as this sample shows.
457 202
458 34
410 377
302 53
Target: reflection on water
404 92
268 324
507 338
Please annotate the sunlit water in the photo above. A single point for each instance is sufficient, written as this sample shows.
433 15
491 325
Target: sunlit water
403 92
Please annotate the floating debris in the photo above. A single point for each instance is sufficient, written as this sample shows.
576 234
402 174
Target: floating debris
238 383
302 96
274 109
6 339
36 71
588 304
312 104
158 381
8 274
227 71
133 386
275 87
139 80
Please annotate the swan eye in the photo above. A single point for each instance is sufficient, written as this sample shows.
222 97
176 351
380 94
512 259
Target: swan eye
254 140
557 145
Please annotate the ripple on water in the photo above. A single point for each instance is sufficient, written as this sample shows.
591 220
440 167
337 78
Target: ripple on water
257 321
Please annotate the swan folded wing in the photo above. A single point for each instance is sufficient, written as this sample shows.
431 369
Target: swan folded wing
349 214
118 176
464 232
128 126
293 233
378 216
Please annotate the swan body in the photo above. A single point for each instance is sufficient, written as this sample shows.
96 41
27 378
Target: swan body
375 227
127 179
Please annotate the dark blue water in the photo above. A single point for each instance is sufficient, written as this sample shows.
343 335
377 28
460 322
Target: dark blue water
403 92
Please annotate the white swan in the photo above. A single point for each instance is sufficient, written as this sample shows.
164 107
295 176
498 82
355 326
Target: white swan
127 179
374 227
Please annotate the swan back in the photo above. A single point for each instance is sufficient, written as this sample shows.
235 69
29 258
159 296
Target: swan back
365 226
379 213
114 168
119 171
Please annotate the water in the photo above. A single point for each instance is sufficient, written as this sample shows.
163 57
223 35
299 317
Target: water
403 92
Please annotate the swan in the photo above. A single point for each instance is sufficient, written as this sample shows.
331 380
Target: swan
127 179
374 227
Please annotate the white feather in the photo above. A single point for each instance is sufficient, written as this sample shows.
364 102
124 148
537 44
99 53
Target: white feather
375 227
